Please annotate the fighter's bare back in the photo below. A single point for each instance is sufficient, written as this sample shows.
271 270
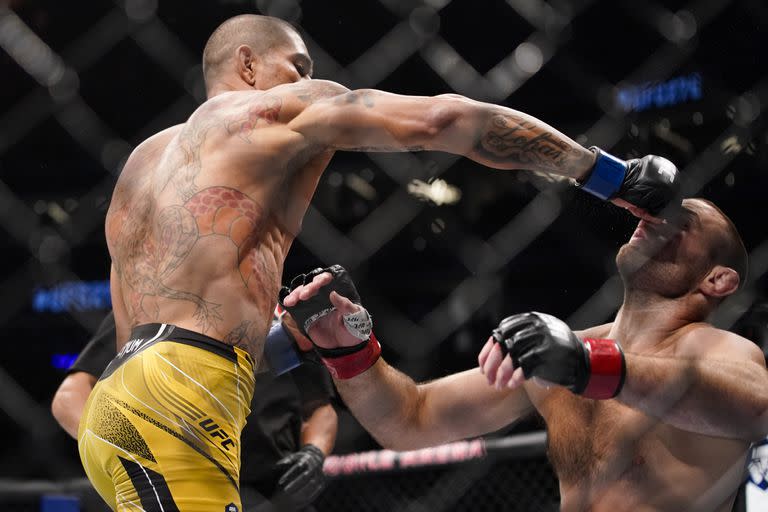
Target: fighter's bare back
205 212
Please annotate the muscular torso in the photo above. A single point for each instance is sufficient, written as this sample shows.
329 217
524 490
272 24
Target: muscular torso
610 457
204 213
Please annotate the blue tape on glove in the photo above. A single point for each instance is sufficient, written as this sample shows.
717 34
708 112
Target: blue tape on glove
280 350
607 175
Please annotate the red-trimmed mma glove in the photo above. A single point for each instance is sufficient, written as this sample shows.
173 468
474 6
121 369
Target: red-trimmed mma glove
545 347
359 349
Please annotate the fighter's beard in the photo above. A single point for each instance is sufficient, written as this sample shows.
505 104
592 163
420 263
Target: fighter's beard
644 275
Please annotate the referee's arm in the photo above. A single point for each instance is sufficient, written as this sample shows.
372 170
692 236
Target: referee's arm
69 400
320 423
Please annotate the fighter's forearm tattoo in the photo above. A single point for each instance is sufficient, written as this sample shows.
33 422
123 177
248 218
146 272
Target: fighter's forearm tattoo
510 138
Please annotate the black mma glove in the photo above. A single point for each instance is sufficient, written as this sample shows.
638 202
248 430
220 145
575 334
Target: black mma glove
342 362
545 347
302 478
651 182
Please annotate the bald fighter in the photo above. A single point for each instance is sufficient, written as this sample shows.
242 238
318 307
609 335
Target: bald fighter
654 411
201 220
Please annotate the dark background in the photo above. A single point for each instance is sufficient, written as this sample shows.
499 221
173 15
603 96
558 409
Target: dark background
82 83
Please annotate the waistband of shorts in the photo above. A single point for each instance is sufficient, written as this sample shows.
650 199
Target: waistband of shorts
147 335
170 332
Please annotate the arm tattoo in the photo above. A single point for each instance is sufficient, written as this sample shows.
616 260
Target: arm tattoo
510 138
356 97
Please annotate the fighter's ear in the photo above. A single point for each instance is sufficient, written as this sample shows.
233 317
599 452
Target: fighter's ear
720 282
246 64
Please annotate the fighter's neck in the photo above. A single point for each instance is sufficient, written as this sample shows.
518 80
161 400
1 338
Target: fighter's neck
223 86
649 321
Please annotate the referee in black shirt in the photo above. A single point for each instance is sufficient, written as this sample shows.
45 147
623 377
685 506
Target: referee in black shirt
291 429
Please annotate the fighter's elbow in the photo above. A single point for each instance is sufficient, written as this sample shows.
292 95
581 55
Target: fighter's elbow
445 113
445 125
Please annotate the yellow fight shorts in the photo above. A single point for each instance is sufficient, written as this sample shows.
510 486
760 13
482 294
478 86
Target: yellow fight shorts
161 428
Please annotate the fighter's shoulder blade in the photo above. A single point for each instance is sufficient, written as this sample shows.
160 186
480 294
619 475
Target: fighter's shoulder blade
155 143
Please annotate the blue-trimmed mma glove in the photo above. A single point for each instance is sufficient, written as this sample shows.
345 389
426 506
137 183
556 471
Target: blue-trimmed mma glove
545 347
282 351
342 362
302 478
651 182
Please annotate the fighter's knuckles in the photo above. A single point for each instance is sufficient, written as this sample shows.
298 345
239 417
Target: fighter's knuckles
322 279
307 292
293 298
492 363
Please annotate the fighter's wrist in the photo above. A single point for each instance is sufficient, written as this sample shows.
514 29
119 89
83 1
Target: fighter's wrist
605 178
314 449
607 369
347 362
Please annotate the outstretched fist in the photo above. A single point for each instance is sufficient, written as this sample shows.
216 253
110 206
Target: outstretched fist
535 345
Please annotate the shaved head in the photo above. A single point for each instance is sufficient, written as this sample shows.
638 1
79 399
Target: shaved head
260 33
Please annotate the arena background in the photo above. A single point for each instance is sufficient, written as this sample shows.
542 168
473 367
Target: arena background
439 260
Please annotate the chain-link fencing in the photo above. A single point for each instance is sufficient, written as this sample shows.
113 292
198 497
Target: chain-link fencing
438 260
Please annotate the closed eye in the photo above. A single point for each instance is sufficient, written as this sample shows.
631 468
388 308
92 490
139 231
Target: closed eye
303 64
